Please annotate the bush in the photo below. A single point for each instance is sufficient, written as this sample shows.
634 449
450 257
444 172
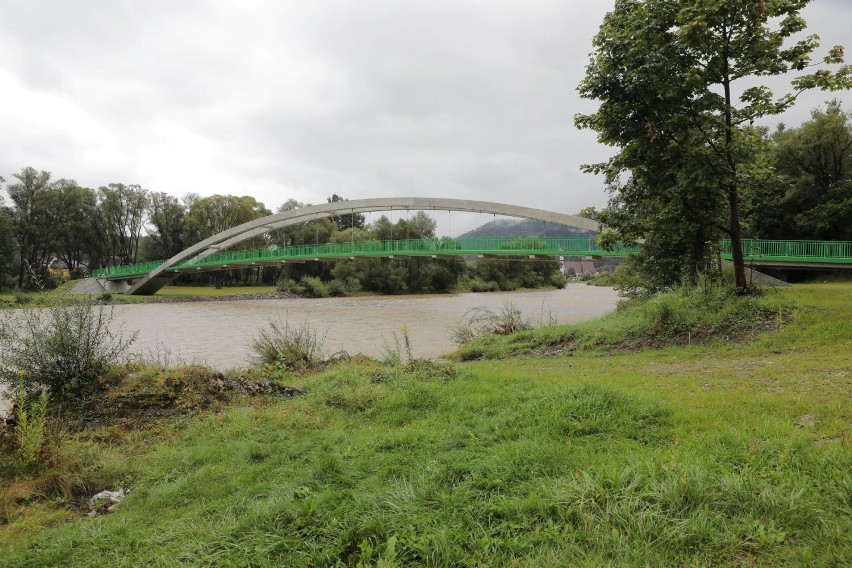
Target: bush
480 285
63 349
22 297
287 348
479 321
313 287
557 280
287 285
336 288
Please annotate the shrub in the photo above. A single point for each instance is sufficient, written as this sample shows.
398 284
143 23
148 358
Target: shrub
314 287
336 288
63 349
287 285
557 280
288 348
22 297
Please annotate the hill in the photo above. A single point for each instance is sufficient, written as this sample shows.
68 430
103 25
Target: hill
524 228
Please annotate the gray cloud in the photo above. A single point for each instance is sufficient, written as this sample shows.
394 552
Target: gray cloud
304 99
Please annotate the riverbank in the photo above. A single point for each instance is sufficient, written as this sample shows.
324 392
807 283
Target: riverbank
716 454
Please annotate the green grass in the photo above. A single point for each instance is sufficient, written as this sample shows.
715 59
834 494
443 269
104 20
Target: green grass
727 453
183 291
688 316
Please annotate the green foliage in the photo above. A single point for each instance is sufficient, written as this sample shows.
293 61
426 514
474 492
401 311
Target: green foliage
665 74
399 353
705 312
64 349
281 347
813 200
32 420
688 456
480 321
313 287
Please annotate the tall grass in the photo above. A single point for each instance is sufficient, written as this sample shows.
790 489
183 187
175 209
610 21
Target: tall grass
288 348
689 455
691 315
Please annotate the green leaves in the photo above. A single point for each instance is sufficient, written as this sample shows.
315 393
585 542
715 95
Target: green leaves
667 75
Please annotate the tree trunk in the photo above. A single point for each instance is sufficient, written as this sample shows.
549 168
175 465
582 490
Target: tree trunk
733 193
736 243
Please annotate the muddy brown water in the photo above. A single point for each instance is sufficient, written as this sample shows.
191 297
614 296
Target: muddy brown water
220 333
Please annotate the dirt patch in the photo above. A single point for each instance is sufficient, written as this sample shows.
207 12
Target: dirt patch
147 395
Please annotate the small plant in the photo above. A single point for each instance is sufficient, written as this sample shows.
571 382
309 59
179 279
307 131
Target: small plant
400 352
29 431
482 320
287 348
22 298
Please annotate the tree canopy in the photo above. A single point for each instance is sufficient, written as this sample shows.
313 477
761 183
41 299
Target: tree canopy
678 85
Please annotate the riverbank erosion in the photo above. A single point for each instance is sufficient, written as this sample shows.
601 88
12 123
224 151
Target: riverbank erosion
725 452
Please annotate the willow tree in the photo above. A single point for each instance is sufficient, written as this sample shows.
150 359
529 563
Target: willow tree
679 88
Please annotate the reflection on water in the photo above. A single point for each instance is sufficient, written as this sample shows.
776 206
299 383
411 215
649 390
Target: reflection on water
220 333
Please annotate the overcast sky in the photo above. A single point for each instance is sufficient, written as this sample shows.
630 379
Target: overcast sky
302 99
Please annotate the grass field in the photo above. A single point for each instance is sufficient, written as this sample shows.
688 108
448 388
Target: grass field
732 454
201 291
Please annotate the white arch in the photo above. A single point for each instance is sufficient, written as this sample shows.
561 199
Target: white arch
156 279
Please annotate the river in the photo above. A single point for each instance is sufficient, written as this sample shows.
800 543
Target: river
220 333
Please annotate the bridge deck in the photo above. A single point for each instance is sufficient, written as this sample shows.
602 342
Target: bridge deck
760 251
545 246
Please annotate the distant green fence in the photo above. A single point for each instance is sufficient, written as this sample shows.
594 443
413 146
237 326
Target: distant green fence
545 246
801 252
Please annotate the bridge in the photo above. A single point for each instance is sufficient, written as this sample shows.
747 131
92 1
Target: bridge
211 254
161 273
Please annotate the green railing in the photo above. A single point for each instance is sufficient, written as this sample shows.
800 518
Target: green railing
803 252
829 252
547 246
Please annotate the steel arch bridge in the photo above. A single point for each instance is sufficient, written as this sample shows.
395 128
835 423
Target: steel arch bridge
147 278
212 253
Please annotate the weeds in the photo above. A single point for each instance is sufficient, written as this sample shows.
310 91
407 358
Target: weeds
31 422
400 352
281 347
479 321
63 349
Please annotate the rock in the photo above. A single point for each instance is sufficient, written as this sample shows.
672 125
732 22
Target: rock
805 420
113 497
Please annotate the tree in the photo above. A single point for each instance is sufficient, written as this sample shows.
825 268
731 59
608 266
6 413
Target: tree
118 222
168 217
211 215
815 199
667 73
7 240
33 225
347 221
75 207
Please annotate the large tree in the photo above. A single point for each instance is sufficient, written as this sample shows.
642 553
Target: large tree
678 83
814 198
167 215
349 220
75 208
118 222
33 223
7 240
